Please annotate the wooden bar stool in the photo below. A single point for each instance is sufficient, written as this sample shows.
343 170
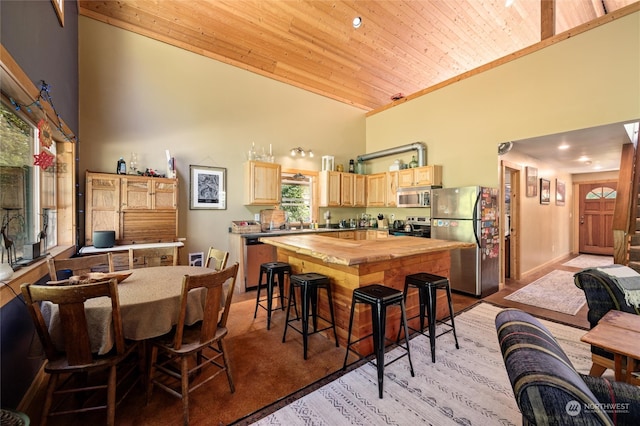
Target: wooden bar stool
309 284
379 297
427 285
272 270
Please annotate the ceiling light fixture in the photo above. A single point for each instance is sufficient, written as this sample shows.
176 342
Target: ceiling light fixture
357 22
301 152
563 146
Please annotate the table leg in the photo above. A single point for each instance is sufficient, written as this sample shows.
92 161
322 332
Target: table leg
617 360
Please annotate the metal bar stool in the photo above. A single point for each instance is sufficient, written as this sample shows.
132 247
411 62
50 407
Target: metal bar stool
427 285
379 297
309 284
271 270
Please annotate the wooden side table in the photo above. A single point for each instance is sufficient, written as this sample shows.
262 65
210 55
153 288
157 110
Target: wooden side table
619 333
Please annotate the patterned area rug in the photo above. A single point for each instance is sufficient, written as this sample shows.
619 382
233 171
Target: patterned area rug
589 261
465 386
555 291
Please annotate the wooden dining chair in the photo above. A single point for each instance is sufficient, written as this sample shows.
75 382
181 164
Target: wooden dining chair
81 265
146 257
204 341
216 259
70 366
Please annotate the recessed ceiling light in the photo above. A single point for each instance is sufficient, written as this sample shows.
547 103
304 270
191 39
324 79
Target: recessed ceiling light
583 158
563 146
357 22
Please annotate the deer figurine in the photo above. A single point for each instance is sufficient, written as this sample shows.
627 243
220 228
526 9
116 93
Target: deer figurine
8 245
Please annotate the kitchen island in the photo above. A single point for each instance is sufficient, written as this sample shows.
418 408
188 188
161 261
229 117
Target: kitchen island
355 263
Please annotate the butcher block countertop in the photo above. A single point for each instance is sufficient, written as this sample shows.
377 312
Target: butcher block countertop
355 252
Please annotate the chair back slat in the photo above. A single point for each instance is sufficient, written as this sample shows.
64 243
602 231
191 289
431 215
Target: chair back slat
229 295
70 300
216 259
213 282
81 265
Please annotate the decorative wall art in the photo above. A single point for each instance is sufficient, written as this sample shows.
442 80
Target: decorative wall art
545 191
560 192
532 181
196 259
207 188
58 5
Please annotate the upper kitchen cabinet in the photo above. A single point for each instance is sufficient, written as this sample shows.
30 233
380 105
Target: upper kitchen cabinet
140 209
262 183
359 191
330 188
376 189
392 189
420 176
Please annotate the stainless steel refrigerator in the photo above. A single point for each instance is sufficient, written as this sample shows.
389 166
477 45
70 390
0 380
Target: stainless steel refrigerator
469 214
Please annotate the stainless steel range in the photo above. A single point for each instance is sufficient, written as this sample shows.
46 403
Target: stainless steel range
414 226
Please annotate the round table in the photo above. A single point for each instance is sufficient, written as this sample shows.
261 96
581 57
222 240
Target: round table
149 306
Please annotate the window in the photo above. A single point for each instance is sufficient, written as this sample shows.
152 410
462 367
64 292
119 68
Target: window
27 192
297 197
601 192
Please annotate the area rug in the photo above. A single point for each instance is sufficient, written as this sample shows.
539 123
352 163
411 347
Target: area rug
589 261
464 386
554 291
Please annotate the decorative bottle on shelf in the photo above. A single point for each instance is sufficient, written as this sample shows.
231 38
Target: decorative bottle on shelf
413 164
360 167
351 166
122 167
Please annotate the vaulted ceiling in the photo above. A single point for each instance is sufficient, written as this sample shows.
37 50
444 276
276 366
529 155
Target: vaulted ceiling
401 48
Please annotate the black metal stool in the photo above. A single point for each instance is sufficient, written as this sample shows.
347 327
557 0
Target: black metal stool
309 284
272 270
379 297
427 285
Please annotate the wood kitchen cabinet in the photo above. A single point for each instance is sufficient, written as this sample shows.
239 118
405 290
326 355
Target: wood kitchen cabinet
376 189
262 183
140 209
330 188
347 182
360 191
420 176
391 199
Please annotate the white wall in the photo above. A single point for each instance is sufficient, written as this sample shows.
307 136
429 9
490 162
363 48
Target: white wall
585 81
137 94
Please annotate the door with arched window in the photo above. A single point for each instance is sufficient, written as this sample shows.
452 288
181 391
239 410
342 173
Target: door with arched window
597 201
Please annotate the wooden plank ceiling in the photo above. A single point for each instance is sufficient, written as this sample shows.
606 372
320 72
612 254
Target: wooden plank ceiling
402 46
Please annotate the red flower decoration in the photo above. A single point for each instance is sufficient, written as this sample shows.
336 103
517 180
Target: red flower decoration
45 133
44 160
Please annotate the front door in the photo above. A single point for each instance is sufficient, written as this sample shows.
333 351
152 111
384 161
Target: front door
597 201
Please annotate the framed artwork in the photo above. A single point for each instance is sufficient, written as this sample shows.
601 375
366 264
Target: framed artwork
196 259
532 181
560 192
545 191
58 5
207 188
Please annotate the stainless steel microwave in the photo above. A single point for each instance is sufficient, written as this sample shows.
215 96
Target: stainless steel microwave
415 196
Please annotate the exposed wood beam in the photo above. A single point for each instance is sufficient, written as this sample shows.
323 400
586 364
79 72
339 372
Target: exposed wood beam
547 19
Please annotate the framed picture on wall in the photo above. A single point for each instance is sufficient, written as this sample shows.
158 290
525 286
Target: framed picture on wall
532 181
207 188
545 191
560 192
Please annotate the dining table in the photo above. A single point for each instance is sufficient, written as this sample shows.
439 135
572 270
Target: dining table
149 306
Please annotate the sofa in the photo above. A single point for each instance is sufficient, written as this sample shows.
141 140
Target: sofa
546 386
602 295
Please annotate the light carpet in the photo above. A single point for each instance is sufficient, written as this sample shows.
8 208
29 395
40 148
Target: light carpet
465 386
555 291
589 261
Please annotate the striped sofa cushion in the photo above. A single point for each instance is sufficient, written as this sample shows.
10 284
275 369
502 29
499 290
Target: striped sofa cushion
546 386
